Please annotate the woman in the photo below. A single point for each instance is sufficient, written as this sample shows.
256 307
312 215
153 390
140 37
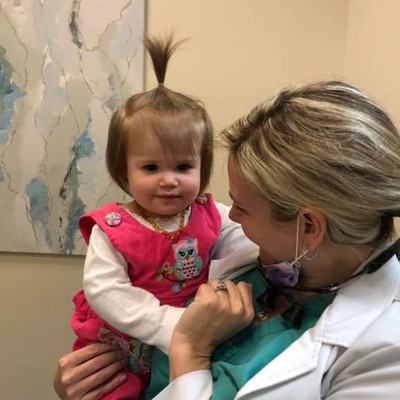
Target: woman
314 175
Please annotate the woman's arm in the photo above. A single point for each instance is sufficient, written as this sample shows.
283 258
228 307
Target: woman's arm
130 309
90 373
212 318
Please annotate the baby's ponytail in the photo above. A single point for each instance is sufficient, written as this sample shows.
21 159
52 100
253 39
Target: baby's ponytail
160 50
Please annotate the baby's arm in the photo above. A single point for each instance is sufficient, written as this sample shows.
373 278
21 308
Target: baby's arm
233 253
110 293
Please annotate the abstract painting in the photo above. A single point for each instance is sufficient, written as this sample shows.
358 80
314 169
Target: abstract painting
64 68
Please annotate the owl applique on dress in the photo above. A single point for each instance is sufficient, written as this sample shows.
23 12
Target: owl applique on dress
188 264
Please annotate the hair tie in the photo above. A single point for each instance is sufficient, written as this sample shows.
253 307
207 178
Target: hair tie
161 84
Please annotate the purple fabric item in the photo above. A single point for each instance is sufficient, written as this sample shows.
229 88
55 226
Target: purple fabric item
283 274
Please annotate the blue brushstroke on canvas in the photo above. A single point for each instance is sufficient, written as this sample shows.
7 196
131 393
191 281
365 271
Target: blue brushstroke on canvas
1 174
38 208
84 145
9 94
36 192
82 148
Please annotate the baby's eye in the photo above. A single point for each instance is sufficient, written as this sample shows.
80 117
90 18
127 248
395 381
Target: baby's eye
184 167
150 167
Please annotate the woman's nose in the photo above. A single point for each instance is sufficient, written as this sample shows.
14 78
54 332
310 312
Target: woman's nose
233 215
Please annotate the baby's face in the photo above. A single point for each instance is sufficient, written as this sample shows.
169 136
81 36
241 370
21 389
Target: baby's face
163 182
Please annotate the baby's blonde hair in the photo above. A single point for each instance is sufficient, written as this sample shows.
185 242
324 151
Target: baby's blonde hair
324 145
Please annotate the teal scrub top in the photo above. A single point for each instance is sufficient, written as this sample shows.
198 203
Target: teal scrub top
236 361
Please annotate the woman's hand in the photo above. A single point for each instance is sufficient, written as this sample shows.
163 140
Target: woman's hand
90 373
212 318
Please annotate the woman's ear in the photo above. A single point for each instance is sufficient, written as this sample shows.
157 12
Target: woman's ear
313 225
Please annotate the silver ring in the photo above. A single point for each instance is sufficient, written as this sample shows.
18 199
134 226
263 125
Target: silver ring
221 285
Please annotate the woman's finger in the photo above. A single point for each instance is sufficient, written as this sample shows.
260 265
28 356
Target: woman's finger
101 391
85 362
220 286
229 307
82 371
246 291
240 303
101 382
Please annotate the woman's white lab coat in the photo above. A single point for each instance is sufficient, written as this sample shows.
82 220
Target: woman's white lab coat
352 353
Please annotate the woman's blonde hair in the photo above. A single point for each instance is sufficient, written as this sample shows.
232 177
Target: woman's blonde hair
175 118
324 145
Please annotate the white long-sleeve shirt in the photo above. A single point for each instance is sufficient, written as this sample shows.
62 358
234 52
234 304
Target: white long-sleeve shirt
137 312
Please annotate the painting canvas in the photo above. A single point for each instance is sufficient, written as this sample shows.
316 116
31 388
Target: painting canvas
64 68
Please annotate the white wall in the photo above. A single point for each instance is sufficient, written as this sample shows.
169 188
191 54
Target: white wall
372 55
372 51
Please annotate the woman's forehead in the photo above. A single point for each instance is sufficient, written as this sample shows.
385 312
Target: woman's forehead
240 190
237 184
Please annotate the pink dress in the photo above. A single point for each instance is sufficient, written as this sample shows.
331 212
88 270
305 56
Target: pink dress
170 270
